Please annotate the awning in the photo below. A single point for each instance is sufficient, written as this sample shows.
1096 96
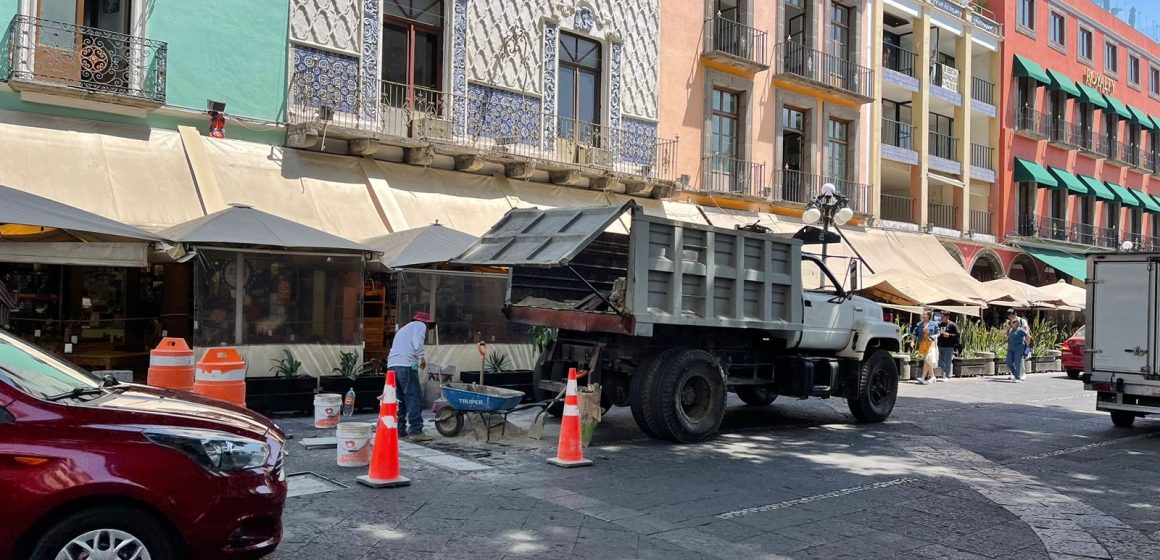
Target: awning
1141 117
1029 69
1149 202
1098 188
1089 94
131 255
1072 296
968 310
1072 182
426 245
244 225
1031 172
1117 106
1124 195
1018 294
945 180
1060 82
19 207
1155 122
1067 263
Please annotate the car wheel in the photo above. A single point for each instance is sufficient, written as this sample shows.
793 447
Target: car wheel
756 395
113 532
1073 374
877 388
1123 418
690 397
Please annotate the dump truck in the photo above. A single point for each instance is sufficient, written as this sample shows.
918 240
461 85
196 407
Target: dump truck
671 316
1122 346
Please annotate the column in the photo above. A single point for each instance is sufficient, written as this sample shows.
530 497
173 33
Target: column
920 114
875 124
963 127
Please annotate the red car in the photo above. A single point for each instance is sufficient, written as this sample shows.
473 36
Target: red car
1073 360
92 468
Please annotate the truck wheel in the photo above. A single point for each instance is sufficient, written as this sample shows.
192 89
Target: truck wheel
1073 374
642 395
877 388
690 397
756 395
1123 418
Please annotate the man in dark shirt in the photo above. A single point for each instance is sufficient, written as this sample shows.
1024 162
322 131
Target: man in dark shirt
948 340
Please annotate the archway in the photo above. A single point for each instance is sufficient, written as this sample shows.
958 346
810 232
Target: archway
1024 269
987 266
955 253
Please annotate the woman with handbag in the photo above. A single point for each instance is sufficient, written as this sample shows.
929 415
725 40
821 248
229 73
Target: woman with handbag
925 333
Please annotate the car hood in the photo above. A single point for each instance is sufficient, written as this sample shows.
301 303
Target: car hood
141 404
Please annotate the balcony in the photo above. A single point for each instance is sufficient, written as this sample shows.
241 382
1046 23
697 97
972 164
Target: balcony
735 45
1122 154
899 59
800 187
941 215
39 56
824 73
897 208
1033 124
946 77
1056 229
982 90
724 174
980 222
898 134
982 156
944 146
1066 135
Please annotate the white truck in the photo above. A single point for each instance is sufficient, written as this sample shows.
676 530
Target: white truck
673 315
1123 335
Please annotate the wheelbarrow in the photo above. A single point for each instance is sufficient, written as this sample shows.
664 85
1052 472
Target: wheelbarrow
464 398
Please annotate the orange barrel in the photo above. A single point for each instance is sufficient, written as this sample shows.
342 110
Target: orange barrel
171 365
221 374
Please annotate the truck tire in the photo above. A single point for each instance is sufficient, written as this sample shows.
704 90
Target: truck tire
642 395
877 388
1123 418
756 395
690 397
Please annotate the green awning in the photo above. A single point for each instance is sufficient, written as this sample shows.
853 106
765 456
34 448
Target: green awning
1149 202
1060 82
1091 96
1124 196
1098 188
1155 123
1141 117
1067 263
1029 69
1070 181
1031 172
1118 107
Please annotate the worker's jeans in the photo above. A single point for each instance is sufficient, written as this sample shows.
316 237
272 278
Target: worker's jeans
946 358
410 399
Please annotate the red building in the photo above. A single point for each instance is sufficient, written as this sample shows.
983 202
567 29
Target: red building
1079 147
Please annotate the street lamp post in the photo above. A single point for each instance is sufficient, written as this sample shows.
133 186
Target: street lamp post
831 207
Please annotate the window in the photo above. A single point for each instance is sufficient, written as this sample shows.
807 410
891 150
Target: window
1057 29
794 185
1154 80
840 31
1137 221
726 170
1111 128
1133 69
1027 14
1086 116
412 33
1025 93
1112 218
942 136
578 103
468 308
1026 209
1111 57
1086 218
1058 208
839 149
1057 110
1085 44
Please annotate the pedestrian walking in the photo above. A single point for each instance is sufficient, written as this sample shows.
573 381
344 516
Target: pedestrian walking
948 341
925 333
1017 343
407 357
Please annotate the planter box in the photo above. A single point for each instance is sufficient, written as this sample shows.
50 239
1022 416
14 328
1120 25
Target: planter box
1001 367
270 395
1044 364
518 380
915 369
366 389
970 367
989 357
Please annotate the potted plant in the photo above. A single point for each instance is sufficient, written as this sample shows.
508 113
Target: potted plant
1044 347
1001 361
367 378
290 389
973 361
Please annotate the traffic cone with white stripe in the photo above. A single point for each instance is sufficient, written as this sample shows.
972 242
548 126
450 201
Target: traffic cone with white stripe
384 470
568 451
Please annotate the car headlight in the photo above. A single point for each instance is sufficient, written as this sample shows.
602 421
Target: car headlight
214 450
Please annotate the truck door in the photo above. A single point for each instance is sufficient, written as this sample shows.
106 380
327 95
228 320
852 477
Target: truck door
1122 315
827 319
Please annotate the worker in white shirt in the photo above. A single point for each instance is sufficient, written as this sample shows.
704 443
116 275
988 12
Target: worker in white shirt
407 357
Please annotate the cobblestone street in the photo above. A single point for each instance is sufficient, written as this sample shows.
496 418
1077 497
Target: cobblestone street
972 468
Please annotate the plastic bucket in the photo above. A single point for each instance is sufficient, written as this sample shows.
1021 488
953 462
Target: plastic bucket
327 407
354 444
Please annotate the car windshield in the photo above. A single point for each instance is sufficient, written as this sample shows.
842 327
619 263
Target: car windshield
37 372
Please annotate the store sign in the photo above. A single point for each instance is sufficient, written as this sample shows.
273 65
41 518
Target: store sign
1100 82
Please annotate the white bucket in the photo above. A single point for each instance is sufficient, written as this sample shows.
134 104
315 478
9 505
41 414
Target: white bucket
354 444
327 408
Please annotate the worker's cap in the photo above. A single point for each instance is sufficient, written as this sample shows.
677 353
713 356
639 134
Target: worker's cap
423 317
1011 312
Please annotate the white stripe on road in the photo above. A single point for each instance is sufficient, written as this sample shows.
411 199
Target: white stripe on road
1070 450
808 499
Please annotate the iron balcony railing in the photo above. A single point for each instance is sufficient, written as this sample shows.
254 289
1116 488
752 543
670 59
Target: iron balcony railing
822 68
1066 133
897 208
733 38
1058 229
981 222
982 90
726 174
800 187
1123 152
941 215
49 52
1034 122
944 146
898 134
899 59
983 156
1154 162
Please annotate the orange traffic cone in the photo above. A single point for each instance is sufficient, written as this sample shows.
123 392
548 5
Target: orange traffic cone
384 470
568 452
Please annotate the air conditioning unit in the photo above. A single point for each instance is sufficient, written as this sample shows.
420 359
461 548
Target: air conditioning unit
431 127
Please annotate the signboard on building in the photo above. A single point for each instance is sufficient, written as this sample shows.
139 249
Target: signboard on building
1099 82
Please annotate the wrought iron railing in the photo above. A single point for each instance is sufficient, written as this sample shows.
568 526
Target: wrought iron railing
1058 229
944 146
1034 122
897 208
899 59
727 174
981 222
941 215
898 134
1123 152
1154 162
95 60
1066 133
822 68
731 37
982 90
983 156
797 186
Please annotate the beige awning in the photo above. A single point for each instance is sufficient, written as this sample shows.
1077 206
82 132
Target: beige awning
912 265
1006 291
126 254
1069 294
